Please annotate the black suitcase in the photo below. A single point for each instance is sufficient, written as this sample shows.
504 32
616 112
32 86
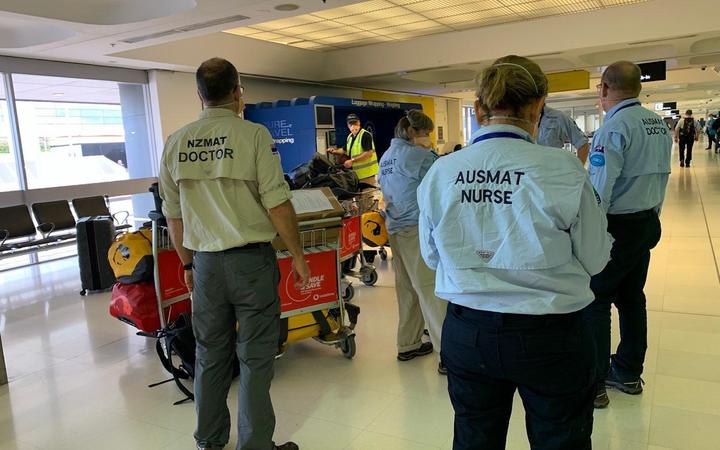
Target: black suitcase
94 237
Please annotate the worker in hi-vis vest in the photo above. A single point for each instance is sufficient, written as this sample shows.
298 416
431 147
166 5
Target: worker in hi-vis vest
361 151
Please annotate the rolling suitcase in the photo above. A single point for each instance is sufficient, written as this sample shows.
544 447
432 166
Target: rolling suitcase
94 237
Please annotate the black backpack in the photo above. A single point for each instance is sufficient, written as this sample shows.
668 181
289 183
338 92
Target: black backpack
688 128
179 342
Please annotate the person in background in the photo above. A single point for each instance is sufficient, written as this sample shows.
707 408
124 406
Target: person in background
557 128
457 147
711 132
514 231
715 128
629 167
402 168
224 201
686 133
360 148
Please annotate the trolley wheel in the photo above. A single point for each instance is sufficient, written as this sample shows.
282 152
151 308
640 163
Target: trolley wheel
348 347
348 293
383 254
370 278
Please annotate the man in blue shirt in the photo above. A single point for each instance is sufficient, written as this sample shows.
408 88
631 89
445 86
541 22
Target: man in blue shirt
629 168
556 128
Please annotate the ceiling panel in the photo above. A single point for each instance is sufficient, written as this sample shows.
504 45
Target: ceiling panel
479 17
310 45
377 20
339 39
312 27
418 33
357 8
243 31
386 23
331 33
429 5
454 11
287 23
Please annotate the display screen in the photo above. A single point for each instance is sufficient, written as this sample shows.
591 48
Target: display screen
324 115
652 71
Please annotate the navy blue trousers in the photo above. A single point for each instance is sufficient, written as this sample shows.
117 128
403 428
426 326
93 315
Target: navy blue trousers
548 359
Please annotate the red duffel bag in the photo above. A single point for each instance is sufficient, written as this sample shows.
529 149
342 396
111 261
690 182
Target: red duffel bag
136 305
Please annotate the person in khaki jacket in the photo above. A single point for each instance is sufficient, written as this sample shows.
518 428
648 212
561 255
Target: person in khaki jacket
225 199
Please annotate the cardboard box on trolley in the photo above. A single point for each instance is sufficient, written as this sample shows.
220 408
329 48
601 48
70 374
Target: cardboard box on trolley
327 223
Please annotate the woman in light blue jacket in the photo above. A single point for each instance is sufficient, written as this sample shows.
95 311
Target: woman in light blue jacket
402 168
515 231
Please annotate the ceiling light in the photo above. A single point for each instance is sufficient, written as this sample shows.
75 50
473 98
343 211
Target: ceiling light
287 7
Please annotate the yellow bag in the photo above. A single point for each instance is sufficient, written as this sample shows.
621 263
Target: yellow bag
130 256
374 232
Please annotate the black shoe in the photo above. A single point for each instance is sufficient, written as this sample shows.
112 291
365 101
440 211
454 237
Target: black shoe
425 349
633 386
601 397
687 165
287 446
442 370
682 164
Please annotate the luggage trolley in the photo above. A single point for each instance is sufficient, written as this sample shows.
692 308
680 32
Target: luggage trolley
318 310
352 243
171 293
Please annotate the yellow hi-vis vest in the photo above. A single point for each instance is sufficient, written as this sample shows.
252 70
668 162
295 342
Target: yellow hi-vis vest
368 167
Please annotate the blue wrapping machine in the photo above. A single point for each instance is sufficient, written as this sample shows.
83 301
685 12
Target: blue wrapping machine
303 126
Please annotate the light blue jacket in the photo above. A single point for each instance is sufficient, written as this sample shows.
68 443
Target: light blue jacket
630 159
511 226
402 168
556 128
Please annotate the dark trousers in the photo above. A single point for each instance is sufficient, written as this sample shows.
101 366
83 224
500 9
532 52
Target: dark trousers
621 283
238 285
711 140
686 143
548 359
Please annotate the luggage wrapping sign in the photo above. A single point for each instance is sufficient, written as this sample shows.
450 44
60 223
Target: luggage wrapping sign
350 237
322 287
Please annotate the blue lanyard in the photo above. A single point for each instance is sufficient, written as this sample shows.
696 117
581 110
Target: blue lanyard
625 106
499 134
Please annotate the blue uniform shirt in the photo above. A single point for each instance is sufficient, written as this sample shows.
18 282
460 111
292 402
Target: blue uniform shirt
630 159
511 226
556 128
402 168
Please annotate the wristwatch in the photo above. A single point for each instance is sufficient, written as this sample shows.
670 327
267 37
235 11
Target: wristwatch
188 266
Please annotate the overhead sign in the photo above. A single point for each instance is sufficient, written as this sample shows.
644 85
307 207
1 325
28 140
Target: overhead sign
665 106
572 80
653 71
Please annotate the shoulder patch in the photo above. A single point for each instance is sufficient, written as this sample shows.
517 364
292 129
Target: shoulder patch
597 159
599 149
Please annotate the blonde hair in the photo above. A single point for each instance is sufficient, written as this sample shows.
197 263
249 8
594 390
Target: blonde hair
511 83
414 118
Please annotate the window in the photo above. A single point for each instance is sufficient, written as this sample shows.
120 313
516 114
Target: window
470 125
8 169
79 131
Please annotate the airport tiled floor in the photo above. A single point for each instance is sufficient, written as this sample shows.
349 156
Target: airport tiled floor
79 377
